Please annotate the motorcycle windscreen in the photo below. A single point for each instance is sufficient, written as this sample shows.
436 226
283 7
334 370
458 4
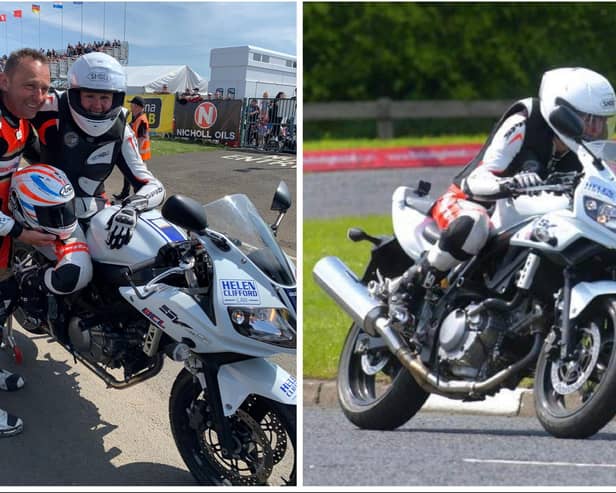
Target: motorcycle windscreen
236 217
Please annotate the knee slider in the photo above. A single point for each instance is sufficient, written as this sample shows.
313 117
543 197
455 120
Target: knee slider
65 279
465 236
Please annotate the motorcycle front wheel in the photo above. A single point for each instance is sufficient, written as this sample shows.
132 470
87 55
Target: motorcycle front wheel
577 397
264 432
374 390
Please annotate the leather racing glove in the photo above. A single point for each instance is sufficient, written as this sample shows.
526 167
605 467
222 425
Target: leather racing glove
121 226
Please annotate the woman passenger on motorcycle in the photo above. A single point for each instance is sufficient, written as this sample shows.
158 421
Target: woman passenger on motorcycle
523 149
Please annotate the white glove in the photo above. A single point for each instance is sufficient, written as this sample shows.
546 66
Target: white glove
121 226
527 179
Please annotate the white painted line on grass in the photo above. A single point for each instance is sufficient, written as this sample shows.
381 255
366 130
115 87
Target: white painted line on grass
539 463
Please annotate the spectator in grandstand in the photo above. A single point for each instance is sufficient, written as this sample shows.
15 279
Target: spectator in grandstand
165 89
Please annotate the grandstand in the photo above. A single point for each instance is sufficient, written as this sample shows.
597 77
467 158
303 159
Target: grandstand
58 67
61 60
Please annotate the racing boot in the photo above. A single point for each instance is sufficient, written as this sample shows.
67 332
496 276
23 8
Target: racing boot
10 381
417 278
9 425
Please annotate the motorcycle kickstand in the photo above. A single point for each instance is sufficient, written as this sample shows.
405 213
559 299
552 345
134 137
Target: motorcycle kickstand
8 337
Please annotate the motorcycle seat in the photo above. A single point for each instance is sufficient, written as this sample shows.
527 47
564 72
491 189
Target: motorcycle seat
422 204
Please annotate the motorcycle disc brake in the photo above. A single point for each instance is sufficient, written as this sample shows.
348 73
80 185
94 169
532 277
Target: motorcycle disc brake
252 460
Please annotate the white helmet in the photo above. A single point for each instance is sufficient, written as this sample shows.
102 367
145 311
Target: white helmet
41 197
97 72
583 90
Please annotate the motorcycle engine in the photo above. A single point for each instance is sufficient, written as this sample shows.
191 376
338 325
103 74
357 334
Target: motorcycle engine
100 342
466 342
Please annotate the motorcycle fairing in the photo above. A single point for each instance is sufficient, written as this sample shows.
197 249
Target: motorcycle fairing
255 376
584 292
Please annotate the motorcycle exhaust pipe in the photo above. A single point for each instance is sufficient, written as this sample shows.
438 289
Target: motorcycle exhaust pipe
432 383
343 286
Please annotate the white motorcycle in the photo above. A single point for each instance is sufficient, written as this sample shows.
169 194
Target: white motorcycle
205 285
539 300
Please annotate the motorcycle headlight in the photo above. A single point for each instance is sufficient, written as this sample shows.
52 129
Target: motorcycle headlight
601 212
270 325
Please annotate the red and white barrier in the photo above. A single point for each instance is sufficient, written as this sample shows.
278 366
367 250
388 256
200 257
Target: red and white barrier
398 157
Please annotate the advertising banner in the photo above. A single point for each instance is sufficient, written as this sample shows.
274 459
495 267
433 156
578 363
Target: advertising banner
209 120
400 157
159 110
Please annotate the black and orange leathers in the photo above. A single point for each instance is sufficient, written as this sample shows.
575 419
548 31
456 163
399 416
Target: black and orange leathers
15 136
88 161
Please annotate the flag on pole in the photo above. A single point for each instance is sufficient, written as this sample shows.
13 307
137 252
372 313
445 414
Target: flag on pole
17 13
2 17
57 5
36 9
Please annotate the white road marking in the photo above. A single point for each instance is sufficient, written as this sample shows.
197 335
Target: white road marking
539 463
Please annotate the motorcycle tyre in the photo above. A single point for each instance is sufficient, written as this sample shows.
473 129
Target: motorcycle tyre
595 414
402 400
183 392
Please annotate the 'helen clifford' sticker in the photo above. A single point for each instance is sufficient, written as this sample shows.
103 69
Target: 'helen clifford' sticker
239 292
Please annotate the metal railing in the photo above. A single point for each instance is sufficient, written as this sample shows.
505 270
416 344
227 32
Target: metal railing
384 111
273 129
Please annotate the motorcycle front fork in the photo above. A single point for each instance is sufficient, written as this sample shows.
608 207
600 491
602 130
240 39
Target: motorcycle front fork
206 371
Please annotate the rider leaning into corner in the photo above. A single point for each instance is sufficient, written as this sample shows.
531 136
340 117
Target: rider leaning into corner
522 150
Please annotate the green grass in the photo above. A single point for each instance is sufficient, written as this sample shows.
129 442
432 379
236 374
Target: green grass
164 147
324 324
326 144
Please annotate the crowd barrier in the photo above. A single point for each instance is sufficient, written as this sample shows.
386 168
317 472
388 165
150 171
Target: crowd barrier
222 121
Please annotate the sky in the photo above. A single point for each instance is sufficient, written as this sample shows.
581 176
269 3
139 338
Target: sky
158 33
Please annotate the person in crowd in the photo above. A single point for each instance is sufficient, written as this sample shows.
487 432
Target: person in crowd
253 122
264 125
141 127
23 89
522 150
276 114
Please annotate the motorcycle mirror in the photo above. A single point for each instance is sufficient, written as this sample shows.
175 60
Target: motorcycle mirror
282 198
567 122
185 212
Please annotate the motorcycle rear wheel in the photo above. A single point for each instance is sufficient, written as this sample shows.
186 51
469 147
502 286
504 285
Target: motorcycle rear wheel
375 391
576 399
265 432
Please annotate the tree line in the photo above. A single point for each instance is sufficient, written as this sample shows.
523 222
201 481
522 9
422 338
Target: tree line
466 51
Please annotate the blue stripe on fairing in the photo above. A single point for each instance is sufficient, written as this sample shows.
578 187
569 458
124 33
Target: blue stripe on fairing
39 181
172 236
172 233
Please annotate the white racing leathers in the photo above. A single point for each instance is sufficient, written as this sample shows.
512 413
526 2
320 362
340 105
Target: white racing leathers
88 161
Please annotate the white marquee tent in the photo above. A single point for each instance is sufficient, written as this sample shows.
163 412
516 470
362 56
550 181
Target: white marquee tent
150 78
